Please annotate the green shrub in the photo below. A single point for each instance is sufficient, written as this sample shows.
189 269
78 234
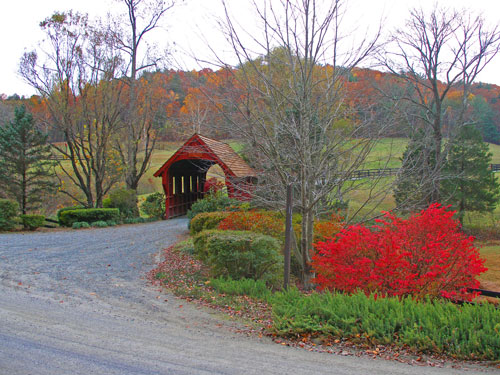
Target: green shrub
90 215
256 289
134 220
216 201
240 254
32 222
206 220
8 212
80 224
468 331
111 223
154 205
200 243
99 224
67 209
125 200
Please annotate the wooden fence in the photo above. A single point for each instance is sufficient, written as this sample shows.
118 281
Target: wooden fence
369 173
382 172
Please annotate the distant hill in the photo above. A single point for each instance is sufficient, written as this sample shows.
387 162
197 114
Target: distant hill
192 102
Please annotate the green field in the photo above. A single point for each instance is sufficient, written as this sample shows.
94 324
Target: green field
385 154
490 251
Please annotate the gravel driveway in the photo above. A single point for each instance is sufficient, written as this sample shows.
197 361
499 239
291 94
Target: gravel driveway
76 302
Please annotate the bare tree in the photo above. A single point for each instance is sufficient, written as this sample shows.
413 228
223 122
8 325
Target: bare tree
437 52
293 110
143 16
81 99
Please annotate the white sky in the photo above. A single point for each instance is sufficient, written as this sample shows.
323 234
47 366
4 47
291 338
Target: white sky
19 30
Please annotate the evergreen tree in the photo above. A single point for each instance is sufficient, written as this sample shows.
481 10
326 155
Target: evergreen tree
484 117
24 161
414 187
469 183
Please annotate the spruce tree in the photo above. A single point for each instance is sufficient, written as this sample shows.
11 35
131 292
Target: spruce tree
469 183
25 168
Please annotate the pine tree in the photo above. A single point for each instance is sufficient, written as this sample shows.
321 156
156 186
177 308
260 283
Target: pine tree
24 161
469 183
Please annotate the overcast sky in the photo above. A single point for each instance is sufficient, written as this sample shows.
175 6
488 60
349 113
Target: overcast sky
19 30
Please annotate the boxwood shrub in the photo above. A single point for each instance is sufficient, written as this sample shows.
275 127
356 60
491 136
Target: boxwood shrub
240 254
32 222
206 220
90 215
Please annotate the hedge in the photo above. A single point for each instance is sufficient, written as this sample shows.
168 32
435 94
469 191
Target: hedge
90 215
71 208
206 221
240 254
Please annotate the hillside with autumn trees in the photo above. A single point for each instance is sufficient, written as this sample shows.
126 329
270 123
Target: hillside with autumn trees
180 103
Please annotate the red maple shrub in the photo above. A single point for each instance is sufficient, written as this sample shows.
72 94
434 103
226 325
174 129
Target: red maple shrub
424 255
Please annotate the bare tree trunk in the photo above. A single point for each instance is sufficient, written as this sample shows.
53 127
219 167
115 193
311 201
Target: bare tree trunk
290 103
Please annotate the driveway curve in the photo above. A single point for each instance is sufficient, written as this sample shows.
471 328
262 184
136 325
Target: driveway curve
77 302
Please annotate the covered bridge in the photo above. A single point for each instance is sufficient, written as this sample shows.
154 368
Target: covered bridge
184 174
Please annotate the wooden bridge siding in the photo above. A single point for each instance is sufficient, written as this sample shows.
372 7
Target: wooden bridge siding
181 192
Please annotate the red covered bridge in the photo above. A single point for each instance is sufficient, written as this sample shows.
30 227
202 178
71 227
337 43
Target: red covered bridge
185 173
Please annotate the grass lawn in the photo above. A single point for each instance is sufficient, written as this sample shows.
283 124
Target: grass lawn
490 251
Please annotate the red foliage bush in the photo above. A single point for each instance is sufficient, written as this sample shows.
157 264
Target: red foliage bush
264 222
424 255
213 185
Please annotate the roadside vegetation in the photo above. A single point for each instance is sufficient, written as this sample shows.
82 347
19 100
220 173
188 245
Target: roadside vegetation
378 289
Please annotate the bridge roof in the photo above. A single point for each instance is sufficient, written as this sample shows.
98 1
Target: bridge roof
199 147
